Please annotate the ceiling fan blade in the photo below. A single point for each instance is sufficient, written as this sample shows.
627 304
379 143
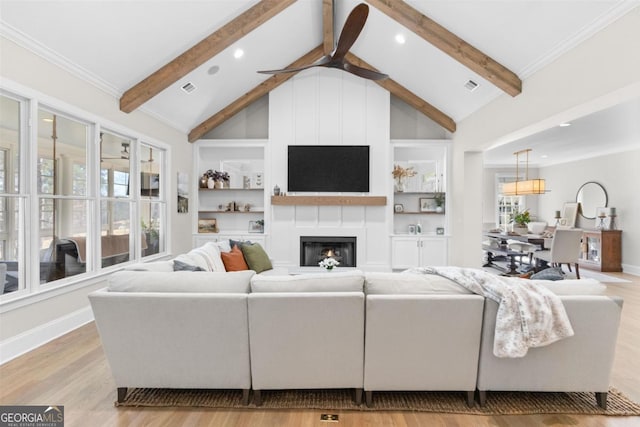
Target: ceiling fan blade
322 61
363 72
351 30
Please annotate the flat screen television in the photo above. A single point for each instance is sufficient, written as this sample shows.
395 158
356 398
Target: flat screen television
328 168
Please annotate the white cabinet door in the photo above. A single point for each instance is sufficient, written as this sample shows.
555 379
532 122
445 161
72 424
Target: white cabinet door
405 252
433 251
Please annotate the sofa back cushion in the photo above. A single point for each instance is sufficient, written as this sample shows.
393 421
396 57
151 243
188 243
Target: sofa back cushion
409 284
573 286
348 281
180 281
160 266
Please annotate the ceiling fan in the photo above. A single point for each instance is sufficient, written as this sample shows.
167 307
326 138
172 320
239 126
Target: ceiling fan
350 32
124 153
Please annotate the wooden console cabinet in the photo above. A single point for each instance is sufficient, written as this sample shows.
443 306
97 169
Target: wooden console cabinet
601 250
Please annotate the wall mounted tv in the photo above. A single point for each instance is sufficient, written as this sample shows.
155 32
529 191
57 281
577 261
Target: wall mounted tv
328 168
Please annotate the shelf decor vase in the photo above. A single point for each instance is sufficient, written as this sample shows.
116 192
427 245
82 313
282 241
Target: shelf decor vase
203 181
211 183
219 184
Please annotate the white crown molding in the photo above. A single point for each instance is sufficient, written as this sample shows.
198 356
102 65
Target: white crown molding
55 58
614 13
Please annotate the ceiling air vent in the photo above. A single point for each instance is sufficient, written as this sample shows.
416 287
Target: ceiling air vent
188 87
470 85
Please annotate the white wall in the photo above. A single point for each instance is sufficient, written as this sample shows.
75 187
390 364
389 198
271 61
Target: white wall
26 68
601 72
619 174
330 107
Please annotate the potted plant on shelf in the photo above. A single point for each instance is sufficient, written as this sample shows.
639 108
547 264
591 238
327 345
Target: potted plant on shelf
520 221
400 174
221 179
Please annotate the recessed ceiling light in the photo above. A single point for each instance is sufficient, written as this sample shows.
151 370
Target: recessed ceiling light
564 125
544 156
48 120
238 53
213 69
400 39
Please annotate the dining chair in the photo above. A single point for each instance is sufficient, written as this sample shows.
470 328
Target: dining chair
565 249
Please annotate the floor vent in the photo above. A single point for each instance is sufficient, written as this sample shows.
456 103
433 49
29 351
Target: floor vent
329 418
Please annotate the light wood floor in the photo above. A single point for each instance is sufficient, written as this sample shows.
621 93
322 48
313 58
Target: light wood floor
73 372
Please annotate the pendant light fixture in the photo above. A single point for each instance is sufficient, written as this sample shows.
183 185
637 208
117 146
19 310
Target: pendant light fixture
526 186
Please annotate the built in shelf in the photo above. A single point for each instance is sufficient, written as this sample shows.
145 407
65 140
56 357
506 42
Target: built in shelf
230 212
329 200
230 189
419 212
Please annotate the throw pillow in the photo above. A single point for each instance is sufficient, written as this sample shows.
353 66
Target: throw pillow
548 274
183 266
239 243
256 258
234 260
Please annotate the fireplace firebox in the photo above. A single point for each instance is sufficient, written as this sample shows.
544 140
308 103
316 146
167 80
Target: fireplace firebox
314 249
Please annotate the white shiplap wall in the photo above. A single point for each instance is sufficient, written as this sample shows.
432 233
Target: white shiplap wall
330 107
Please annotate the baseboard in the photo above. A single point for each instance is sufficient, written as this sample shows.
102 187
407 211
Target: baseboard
631 269
34 338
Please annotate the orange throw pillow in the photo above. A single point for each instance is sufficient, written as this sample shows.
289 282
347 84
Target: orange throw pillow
234 260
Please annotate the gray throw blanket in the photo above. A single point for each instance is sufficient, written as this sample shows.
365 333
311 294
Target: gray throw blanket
528 315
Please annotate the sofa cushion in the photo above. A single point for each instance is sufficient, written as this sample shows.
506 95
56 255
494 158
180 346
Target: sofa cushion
183 266
180 281
256 258
573 286
234 260
408 284
347 281
162 266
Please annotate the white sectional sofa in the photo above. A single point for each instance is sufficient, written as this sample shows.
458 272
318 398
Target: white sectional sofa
176 330
422 333
371 332
582 362
307 332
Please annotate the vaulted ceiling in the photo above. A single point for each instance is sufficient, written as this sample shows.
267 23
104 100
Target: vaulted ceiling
144 52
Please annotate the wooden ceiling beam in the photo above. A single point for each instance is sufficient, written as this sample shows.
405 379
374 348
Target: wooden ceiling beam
407 96
327 26
201 52
253 95
450 44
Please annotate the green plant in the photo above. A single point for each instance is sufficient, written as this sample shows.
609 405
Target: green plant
521 218
439 199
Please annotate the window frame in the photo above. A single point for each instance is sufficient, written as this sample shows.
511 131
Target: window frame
28 235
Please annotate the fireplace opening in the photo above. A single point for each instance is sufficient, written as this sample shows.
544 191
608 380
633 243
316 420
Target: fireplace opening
314 249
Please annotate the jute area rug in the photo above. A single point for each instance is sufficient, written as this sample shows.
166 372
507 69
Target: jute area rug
502 403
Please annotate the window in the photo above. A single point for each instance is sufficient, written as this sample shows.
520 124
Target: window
86 193
507 206
11 201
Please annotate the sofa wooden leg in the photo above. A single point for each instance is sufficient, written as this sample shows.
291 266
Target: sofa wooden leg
482 397
245 396
601 398
358 396
368 398
257 397
577 271
122 393
471 398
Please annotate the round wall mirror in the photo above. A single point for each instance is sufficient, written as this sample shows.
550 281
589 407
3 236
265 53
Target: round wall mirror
591 196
